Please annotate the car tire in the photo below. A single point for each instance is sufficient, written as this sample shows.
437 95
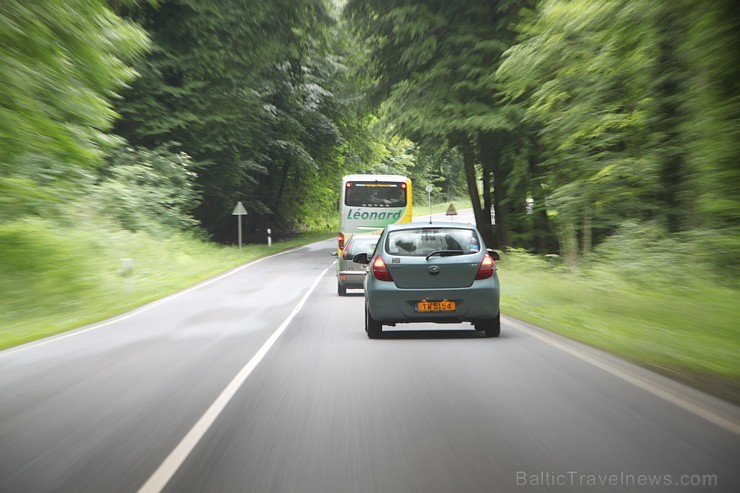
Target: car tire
491 327
341 290
373 328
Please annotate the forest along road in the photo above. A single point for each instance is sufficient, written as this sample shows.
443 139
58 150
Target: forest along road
263 381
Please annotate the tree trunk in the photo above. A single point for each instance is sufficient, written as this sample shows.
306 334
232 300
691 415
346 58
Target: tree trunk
494 170
543 231
568 240
278 199
486 189
587 232
482 222
670 77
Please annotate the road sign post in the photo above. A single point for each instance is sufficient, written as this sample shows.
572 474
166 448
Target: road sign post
239 211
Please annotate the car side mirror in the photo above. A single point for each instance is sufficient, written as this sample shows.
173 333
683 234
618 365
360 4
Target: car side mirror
334 253
494 254
361 258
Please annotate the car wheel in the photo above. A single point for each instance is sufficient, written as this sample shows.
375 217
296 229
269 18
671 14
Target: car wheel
373 328
341 290
491 327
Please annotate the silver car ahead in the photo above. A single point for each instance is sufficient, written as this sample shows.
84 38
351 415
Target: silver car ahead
349 274
439 272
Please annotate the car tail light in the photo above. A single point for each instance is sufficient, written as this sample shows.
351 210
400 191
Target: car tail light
487 267
340 238
380 271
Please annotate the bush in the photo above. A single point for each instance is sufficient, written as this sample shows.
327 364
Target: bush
646 255
42 260
148 190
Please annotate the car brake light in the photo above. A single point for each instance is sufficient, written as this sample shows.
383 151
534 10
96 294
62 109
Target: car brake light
486 269
380 271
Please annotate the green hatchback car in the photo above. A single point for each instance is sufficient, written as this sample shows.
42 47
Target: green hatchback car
438 272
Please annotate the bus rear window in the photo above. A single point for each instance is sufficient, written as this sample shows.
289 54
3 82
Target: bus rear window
375 194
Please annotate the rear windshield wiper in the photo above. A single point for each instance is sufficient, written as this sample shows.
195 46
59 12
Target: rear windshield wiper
445 253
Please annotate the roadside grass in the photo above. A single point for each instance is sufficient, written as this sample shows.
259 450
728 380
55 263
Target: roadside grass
689 332
56 279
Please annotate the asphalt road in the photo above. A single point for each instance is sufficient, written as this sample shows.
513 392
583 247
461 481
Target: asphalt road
263 381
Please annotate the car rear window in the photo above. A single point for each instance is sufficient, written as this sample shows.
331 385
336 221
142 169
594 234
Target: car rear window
359 245
423 241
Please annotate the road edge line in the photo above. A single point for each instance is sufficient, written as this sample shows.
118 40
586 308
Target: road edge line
167 469
728 423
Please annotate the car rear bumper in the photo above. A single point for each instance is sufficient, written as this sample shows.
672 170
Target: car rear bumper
389 304
351 279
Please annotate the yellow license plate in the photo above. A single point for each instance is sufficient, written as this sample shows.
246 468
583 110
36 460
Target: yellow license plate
436 306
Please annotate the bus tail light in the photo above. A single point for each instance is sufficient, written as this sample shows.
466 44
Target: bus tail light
380 271
340 239
486 269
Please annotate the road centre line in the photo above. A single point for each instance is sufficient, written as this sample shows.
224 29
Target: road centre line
729 423
136 311
177 457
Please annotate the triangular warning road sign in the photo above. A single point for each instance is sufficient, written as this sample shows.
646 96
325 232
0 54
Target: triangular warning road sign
451 211
239 210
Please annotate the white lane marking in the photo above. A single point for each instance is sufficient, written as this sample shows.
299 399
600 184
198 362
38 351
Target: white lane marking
697 409
172 463
136 311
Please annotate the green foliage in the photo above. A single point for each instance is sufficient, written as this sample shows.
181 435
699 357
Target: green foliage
148 189
712 129
582 69
433 63
35 258
60 63
253 92
20 196
634 108
644 254
434 66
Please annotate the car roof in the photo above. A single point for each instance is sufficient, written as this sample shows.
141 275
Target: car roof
435 224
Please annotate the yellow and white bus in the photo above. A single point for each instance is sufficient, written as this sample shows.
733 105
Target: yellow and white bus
368 203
